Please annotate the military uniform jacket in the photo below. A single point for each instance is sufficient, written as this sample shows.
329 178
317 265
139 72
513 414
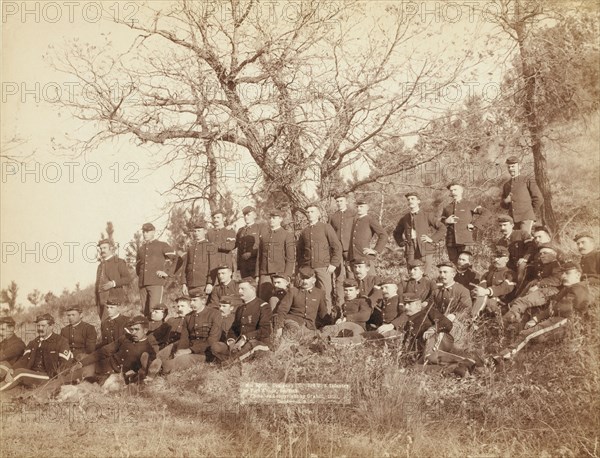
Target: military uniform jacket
468 213
357 310
302 306
55 351
590 266
548 275
277 252
363 230
226 324
573 298
224 241
423 288
518 245
453 299
500 281
252 320
113 269
367 286
247 240
318 246
526 198
161 334
342 223
220 290
196 264
416 325
124 354
151 258
388 311
176 325
201 330
467 277
11 349
112 328
425 223
81 337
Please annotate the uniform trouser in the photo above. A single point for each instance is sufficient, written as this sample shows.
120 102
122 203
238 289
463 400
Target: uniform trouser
265 287
101 298
542 332
342 272
149 297
248 268
324 282
412 252
535 298
335 329
223 353
25 377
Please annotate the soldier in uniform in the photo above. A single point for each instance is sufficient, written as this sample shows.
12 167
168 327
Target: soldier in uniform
516 241
462 218
130 355
246 242
281 287
158 327
367 284
276 254
417 231
200 331
226 306
465 274
388 312
112 276
590 257
223 240
196 262
44 358
300 308
521 196
114 325
319 248
355 312
11 346
451 297
81 336
175 325
150 268
364 228
251 329
418 281
342 221
225 287
496 285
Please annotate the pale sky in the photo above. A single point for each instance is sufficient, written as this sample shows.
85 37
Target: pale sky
55 206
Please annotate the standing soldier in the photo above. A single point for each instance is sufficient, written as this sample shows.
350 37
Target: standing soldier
320 249
277 254
112 277
342 221
417 231
223 240
521 196
196 264
246 242
80 335
462 218
150 267
363 230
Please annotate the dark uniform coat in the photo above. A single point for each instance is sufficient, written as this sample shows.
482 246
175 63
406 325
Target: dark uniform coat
246 242
467 277
423 288
453 299
501 282
112 328
252 320
518 245
416 325
388 311
11 349
425 223
357 311
277 252
55 353
363 230
151 258
319 246
123 354
342 223
526 198
224 241
81 337
468 213
302 306
196 264
200 330
220 290
113 269
590 266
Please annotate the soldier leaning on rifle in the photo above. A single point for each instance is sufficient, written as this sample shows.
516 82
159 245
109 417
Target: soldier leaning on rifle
201 330
355 312
225 287
548 321
11 346
495 287
44 357
538 291
114 325
465 274
196 265
590 257
112 276
81 336
251 328
388 313
223 240
418 282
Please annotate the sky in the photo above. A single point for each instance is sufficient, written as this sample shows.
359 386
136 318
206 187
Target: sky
55 202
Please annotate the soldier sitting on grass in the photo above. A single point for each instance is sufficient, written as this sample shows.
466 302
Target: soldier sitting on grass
355 312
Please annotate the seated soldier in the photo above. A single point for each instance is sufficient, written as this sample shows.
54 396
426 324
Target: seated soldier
393 316
367 284
300 308
355 312
129 355
548 321
418 282
168 346
200 331
590 257
465 275
516 241
528 270
225 287
451 297
226 308
11 346
495 286
158 328
114 325
281 286
44 358
81 336
538 291
251 328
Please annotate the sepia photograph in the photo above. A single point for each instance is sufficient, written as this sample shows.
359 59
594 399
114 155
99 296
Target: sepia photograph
300 228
